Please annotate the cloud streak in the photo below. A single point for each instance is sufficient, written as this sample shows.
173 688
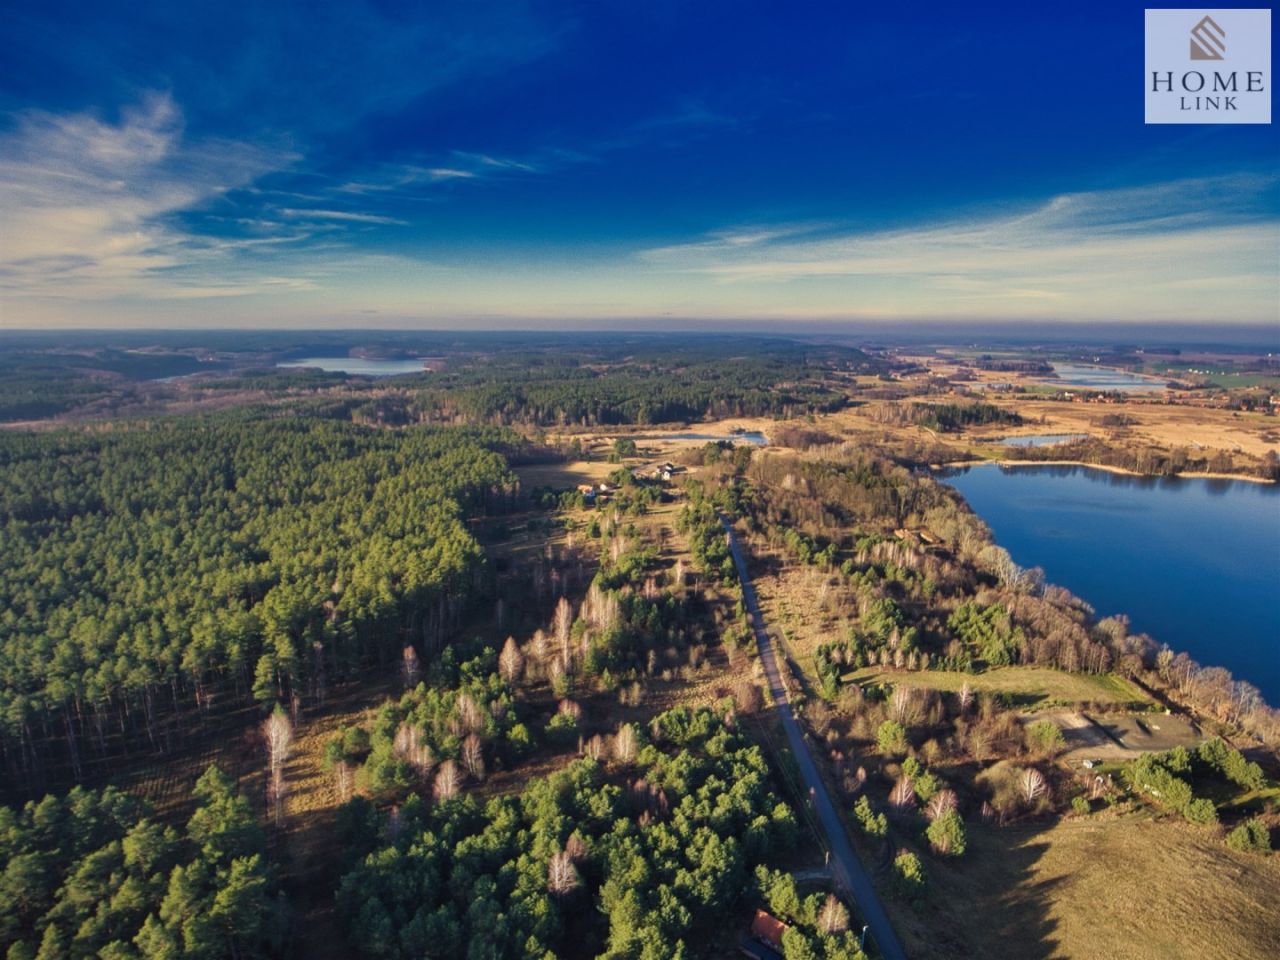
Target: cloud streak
1163 249
90 206
342 215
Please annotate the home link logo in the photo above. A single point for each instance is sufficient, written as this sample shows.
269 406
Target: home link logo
1207 40
1223 76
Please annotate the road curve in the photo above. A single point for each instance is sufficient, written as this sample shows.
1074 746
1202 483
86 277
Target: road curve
844 862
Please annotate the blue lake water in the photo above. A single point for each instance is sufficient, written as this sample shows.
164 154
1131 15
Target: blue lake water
368 368
1100 378
753 437
1194 563
1040 440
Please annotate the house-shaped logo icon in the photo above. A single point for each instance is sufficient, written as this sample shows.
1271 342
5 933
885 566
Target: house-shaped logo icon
1208 40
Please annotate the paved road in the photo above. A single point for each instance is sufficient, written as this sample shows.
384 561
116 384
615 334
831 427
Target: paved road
844 862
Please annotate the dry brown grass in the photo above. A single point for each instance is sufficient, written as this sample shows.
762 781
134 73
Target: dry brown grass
564 476
1031 686
1121 888
1167 426
1154 423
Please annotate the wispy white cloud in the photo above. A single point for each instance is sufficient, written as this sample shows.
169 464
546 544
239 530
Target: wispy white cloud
1099 253
345 215
90 207
484 161
417 179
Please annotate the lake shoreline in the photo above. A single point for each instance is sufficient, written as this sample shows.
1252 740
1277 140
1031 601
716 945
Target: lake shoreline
1191 564
1002 462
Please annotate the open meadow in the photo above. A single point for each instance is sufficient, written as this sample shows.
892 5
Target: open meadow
1103 887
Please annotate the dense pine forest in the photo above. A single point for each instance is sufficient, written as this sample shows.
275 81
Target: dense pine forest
92 874
648 388
164 567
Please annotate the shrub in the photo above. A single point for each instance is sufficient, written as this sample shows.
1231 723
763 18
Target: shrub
925 783
1081 805
562 730
1044 737
1252 836
892 738
1201 810
908 877
946 834
871 823
1230 763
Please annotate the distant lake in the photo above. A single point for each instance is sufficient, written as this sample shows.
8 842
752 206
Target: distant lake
1100 378
368 368
1041 440
1195 563
754 437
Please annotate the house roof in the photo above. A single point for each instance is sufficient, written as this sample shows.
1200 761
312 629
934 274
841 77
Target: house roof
768 928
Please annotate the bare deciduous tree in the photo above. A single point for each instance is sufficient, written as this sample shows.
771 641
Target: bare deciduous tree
1032 784
342 777
448 780
511 661
903 794
941 803
277 734
410 667
905 706
473 756
601 609
833 917
562 624
624 744
413 749
539 645
575 847
469 713
562 875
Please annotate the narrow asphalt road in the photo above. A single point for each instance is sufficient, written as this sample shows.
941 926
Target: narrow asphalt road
844 862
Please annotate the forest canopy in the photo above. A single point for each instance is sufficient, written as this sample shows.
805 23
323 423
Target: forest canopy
162 565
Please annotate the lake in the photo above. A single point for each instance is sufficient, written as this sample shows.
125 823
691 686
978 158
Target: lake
753 437
1101 378
1041 440
368 368
1195 563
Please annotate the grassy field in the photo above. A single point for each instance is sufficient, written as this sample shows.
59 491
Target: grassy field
1168 426
1032 687
1195 427
564 476
1122 888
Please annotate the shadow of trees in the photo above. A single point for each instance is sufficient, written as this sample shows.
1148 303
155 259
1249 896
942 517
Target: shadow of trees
987 903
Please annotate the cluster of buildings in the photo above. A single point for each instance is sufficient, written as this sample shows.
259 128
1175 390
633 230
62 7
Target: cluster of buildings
659 473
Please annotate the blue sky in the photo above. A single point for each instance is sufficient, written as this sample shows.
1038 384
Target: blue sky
524 163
